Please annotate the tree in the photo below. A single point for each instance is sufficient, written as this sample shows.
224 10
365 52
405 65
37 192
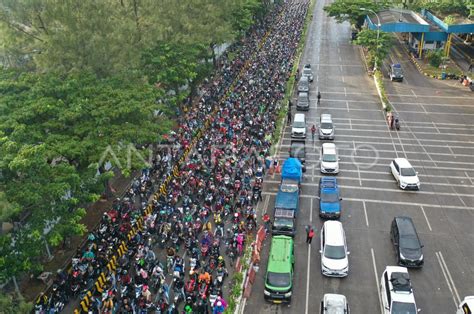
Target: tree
378 49
350 11
13 305
442 7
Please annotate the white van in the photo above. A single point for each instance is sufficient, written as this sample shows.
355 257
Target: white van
334 254
298 130
329 159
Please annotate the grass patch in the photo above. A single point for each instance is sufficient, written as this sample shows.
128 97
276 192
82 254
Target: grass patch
383 93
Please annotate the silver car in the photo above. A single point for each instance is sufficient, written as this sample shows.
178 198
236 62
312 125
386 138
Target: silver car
308 72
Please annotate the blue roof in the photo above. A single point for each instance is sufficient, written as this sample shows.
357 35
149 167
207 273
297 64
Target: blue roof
292 169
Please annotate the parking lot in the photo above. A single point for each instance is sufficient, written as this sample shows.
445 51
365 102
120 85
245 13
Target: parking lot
435 136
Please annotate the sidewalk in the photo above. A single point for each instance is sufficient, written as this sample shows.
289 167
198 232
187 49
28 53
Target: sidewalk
31 287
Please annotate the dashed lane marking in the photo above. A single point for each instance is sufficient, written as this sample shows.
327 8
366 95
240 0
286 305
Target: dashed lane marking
426 218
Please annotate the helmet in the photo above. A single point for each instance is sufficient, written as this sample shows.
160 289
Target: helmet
220 258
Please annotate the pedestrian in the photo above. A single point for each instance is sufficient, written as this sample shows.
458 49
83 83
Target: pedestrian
392 121
289 116
319 97
290 104
266 222
310 235
313 130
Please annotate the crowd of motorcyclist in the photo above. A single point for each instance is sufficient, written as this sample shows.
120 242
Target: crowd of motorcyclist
179 262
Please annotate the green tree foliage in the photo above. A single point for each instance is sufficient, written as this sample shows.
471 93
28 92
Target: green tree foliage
435 57
442 7
13 305
55 132
350 10
378 49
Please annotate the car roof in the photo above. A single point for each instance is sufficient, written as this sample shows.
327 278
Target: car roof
400 284
403 163
328 181
326 117
305 78
397 65
304 94
335 301
405 225
329 148
280 260
334 232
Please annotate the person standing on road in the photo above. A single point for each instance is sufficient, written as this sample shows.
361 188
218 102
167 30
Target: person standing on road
319 97
313 130
310 235
289 116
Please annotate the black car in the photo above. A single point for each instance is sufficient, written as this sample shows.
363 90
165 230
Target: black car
406 241
298 150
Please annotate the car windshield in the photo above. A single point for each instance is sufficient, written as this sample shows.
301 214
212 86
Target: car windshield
298 124
334 252
329 158
289 186
279 280
329 197
326 125
307 71
397 71
409 242
408 172
283 223
297 151
403 308
303 98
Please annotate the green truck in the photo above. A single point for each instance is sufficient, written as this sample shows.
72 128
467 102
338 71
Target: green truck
279 276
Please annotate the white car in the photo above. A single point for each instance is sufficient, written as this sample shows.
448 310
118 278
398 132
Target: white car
466 306
334 254
329 159
405 174
334 304
396 291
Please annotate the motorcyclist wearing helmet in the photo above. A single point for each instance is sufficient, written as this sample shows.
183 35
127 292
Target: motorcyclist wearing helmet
205 277
221 262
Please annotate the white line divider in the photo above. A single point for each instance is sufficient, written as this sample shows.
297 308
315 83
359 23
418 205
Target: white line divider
426 218
376 279
308 272
365 213
448 278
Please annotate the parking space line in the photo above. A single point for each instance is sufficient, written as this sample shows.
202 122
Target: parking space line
376 279
365 213
413 93
407 122
308 272
467 175
437 130
430 96
448 278
388 202
426 218
265 206
422 107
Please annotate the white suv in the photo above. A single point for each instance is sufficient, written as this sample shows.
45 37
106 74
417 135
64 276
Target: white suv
334 254
334 304
329 159
396 291
405 174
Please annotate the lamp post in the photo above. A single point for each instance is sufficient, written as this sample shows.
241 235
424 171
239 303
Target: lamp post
378 34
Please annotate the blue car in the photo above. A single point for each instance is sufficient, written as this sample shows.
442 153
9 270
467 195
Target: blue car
329 198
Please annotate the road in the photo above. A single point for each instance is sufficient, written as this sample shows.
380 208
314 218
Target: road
436 136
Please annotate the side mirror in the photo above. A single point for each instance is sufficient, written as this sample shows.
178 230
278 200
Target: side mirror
340 198
416 172
339 159
422 246
419 310
348 252
320 251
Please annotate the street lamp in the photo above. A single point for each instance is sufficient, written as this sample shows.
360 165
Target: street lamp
378 34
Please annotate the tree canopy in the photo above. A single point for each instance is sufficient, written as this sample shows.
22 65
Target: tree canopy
350 10
378 49
80 84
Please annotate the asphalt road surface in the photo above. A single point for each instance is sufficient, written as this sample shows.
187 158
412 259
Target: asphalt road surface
437 138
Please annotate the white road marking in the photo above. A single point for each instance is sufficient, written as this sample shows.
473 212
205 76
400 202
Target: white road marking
340 67
376 278
448 278
431 96
434 126
365 213
467 175
394 190
426 218
452 153
342 78
413 93
388 202
265 206
408 122
308 272
407 111
423 107
347 106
